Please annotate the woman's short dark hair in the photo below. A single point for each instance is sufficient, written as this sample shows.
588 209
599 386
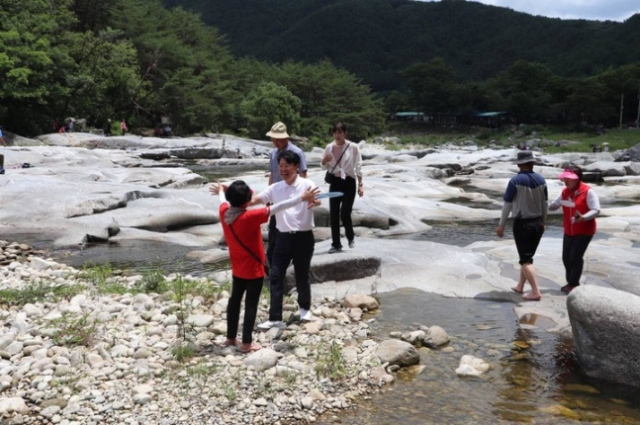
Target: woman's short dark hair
238 193
576 170
339 127
290 157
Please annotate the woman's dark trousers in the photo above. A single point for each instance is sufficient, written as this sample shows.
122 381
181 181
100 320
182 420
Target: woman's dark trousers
340 209
252 287
573 249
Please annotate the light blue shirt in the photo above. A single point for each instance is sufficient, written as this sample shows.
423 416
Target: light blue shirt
273 161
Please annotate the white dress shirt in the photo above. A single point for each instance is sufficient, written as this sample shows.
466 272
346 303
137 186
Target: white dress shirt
295 219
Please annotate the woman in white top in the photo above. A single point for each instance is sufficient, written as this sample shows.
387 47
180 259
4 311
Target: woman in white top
343 161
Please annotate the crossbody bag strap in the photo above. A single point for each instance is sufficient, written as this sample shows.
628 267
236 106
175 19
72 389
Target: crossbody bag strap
253 254
339 158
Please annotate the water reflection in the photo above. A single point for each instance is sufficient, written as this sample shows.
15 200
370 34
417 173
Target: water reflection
534 378
136 256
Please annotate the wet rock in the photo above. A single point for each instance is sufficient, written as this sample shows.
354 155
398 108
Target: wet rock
472 366
436 337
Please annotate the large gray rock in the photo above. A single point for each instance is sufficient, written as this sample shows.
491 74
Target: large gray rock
337 268
606 330
263 359
606 168
396 352
632 154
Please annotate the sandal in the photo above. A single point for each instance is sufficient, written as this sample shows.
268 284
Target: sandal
249 348
230 343
515 289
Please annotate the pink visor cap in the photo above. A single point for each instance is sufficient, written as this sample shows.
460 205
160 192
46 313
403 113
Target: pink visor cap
569 175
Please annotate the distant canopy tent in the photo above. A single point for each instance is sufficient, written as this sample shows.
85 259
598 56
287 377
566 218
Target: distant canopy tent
409 116
491 119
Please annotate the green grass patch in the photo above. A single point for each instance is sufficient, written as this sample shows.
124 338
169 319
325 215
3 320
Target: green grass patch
330 363
38 292
75 331
183 352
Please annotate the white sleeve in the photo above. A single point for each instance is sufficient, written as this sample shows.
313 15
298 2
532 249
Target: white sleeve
555 204
331 164
223 198
274 209
267 195
594 205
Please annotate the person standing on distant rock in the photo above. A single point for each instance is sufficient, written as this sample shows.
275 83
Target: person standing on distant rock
107 128
281 143
580 206
343 161
242 232
123 127
526 199
4 143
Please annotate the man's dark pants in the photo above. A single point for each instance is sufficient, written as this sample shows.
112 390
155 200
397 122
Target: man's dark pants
297 247
272 237
527 233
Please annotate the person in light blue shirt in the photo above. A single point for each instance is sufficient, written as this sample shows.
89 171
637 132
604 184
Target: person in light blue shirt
281 143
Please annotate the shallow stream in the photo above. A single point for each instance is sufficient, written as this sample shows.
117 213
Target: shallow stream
534 377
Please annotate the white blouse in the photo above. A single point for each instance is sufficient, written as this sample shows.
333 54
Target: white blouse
350 164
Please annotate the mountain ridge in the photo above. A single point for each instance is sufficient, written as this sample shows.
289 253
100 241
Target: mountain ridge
378 39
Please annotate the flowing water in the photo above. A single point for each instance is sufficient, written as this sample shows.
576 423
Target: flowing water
534 377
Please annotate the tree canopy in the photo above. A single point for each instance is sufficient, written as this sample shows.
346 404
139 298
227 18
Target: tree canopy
136 60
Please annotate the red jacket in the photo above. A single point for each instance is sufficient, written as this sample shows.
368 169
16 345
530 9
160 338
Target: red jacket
579 197
247 227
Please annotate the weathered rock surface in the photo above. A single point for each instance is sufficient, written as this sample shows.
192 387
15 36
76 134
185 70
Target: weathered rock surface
606 331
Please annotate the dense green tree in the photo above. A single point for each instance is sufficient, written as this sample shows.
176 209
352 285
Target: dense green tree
34 61
330 94
586 102
434 89
267 104
183 66
526 91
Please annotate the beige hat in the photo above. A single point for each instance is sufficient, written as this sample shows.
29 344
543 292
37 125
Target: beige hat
278 131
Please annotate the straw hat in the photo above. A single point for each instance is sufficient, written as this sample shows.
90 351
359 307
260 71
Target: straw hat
278 131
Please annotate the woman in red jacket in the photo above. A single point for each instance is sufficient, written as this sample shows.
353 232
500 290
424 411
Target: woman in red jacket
580 206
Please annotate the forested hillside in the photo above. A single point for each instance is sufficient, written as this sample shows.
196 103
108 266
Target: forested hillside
308 63
136 60
377 39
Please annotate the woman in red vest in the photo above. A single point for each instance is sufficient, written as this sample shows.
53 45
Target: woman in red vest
580 206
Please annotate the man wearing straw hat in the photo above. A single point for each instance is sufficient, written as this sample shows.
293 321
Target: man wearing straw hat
526 199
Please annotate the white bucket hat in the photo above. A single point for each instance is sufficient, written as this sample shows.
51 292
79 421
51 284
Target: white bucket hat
278 131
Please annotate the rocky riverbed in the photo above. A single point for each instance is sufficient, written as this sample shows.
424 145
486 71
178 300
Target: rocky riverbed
84 189
93 346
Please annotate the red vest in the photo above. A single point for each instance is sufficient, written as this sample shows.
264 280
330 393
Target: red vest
579 197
